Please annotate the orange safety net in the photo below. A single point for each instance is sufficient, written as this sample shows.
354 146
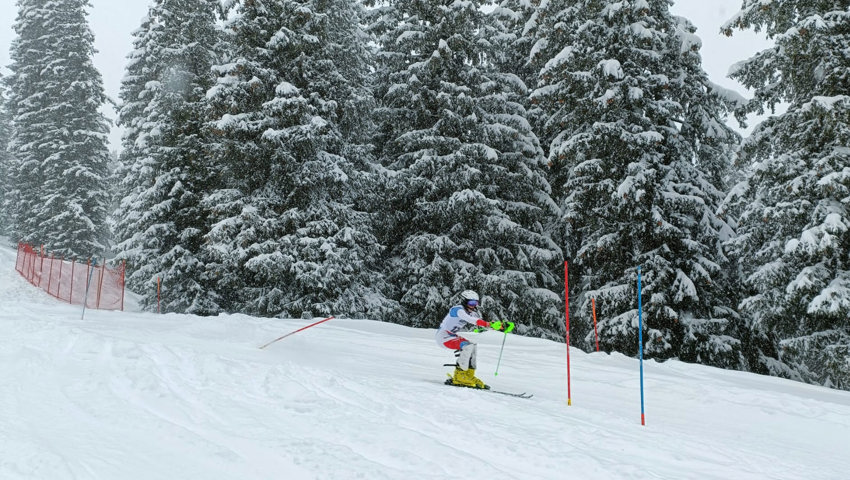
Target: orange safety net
101 287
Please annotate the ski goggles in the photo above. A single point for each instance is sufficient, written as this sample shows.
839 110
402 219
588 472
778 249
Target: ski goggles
472 303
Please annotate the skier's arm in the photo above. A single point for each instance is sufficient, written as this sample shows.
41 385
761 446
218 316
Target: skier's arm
472 320
478 323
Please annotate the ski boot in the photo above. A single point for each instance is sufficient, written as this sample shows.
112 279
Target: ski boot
467 378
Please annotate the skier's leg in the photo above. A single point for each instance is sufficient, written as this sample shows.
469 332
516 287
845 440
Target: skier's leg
466 359
461 346
464 350
469 353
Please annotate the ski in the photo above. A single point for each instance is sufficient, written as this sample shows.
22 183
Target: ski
510 394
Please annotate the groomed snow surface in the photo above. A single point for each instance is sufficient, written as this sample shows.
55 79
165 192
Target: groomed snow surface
122 396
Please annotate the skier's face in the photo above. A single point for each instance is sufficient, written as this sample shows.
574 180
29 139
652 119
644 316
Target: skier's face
471 305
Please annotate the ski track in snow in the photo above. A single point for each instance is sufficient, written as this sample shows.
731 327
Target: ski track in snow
141 396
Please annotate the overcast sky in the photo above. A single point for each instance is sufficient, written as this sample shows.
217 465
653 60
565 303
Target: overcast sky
113 22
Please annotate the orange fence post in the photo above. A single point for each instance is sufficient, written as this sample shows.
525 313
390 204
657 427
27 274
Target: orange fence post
100 283
123 269
49 275
41 267
71 292
28 267
88 275
593 302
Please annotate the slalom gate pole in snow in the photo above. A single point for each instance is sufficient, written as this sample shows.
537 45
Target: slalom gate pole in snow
92 265
640 345
296 331
567 333
595 333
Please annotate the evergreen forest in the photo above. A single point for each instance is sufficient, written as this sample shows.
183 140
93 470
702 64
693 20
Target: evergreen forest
374 158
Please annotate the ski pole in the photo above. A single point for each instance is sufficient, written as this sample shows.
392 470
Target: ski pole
88 282
510 327
500 354
296 331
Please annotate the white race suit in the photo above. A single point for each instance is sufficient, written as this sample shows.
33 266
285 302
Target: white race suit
456 321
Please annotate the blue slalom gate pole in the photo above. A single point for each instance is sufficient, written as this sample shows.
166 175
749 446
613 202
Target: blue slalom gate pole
640 345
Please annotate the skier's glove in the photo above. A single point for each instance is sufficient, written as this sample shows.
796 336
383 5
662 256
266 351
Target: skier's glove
506 327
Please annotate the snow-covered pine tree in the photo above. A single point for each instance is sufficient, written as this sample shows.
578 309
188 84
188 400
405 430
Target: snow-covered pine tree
617 87
512 51
24 173
128 173
160 223
468 197
59 135
794 232
705 107
6 201
517 21
288 238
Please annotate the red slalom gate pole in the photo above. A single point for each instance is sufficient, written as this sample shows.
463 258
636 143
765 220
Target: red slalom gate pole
71 291
296 331
595 333
567 334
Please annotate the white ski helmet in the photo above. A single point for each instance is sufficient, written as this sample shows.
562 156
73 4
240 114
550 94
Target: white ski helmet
467 295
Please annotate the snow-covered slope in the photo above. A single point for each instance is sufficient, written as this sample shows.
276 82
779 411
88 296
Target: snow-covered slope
141 396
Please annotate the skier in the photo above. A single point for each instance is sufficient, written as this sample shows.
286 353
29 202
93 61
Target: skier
461 318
